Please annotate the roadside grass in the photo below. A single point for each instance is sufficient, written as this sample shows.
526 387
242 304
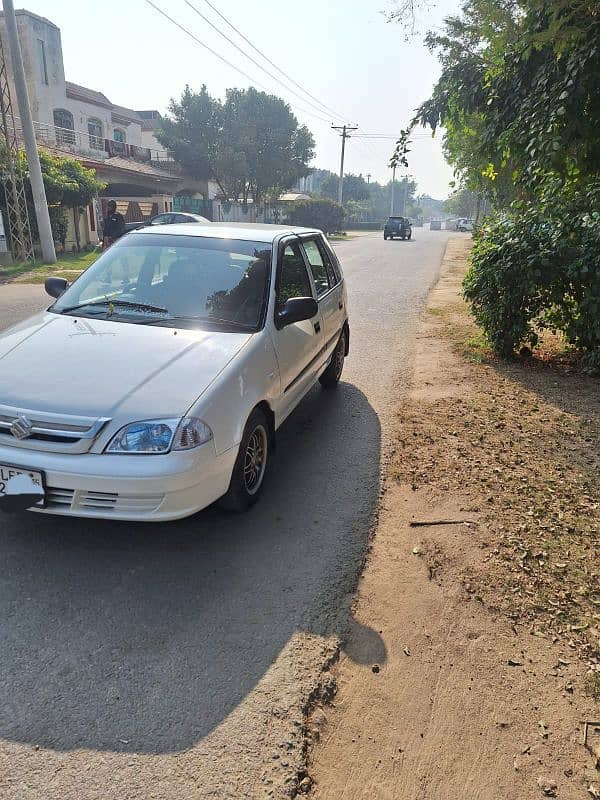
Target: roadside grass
523 441
68 265
591 685
343 236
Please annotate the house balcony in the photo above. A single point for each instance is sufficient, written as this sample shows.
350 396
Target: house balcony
83 145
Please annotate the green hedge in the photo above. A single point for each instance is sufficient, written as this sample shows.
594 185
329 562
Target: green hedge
538 266
326 215
365 226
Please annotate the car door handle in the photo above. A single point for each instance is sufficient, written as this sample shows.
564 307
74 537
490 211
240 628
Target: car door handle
317 327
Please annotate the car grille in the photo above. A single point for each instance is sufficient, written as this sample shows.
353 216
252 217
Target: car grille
58 433
111 502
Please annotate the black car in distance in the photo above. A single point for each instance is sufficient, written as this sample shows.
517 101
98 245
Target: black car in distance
397 226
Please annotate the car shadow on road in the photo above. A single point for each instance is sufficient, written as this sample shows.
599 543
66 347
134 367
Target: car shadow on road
143 638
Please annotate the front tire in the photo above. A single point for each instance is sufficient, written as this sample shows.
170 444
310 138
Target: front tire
385 236
331 377
250 467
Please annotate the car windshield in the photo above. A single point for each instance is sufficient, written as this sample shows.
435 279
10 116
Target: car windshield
187 281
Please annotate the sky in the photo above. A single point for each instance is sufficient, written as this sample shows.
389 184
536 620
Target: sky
343 52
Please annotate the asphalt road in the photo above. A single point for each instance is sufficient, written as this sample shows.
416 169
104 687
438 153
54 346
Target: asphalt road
174 661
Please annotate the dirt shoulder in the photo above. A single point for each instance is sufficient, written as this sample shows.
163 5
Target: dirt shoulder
491 616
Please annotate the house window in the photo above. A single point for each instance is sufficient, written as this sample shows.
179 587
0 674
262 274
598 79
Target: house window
95 133
42 59
64 128
119 135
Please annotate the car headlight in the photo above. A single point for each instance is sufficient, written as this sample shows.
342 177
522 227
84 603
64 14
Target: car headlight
157 436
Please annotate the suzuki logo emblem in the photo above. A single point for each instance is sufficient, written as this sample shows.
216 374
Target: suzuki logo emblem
21 428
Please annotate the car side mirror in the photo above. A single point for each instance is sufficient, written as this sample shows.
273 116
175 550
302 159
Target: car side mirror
56 286
296 309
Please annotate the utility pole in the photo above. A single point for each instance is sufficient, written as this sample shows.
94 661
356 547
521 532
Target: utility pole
345 134
368 177
406 177
33 160
393 185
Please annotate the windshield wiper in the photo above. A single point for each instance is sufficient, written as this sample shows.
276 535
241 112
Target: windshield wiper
115 302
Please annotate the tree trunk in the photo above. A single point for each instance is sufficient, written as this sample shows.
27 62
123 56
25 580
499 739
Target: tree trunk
478 209
76 216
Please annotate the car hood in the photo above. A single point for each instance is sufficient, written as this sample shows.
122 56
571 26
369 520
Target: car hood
91 367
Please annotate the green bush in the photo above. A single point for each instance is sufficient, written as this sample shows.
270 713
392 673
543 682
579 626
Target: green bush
59 224
538 266
327 215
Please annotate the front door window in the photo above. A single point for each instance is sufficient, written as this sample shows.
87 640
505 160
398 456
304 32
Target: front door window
293 280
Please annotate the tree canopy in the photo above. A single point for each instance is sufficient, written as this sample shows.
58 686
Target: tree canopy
68 184
355 187
251 143
519 101
461 203
518 96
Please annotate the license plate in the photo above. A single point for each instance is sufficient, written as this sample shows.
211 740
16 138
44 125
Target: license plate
21 488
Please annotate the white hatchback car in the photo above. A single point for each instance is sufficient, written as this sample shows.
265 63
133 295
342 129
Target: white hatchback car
155 383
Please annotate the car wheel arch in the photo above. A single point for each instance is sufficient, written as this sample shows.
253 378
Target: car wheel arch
268 412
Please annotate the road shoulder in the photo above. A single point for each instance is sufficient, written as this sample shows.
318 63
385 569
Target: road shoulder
487 609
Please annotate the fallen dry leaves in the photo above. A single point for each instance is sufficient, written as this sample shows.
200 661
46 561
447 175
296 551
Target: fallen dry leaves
524 444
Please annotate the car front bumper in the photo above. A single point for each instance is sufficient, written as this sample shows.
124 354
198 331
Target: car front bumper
150 488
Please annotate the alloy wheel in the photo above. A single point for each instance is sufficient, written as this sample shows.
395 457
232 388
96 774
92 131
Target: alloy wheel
255 459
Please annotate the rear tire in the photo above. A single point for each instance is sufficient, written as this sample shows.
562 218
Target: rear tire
385 236
247 479
331 377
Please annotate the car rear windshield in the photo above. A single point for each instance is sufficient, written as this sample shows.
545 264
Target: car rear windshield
185 280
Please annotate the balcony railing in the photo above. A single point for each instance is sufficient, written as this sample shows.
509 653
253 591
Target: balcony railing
83 143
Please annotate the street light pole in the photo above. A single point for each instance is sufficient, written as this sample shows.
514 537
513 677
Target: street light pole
393 186
33 159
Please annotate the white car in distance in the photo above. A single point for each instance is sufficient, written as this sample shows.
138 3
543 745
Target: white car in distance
155 383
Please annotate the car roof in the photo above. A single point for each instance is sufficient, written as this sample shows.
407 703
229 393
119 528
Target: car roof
245 231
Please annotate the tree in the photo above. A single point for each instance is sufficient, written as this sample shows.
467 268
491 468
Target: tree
461 203
355 188
67 183
79 187
518 94
194 131
250 144
518 98
325 214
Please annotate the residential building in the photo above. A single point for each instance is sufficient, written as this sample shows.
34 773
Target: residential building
118 142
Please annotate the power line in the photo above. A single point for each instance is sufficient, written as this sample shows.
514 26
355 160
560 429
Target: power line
272 63
224 60
251 58
393 138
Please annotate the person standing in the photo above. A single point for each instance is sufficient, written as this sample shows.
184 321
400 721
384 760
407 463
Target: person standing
114 225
